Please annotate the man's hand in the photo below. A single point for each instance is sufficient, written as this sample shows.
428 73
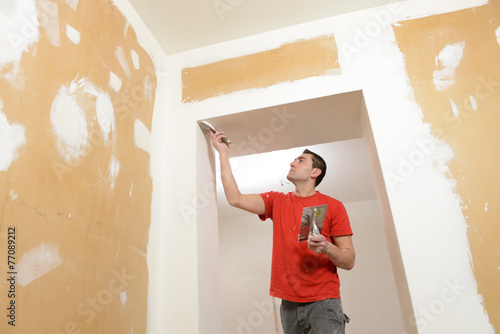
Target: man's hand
317 244
218 143
340 252
249 202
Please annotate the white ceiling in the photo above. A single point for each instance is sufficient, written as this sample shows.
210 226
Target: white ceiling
181 25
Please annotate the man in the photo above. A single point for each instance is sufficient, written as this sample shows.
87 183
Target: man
304 274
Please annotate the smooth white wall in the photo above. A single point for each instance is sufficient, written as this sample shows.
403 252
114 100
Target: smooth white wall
245 259
369 293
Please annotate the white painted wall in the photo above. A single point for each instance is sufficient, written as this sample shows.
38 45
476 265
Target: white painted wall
424 206
245 255
369 292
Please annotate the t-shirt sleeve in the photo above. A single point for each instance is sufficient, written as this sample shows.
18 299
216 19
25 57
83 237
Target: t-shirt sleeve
268 202
340 222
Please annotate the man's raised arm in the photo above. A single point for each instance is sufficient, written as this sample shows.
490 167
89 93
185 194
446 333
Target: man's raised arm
249 202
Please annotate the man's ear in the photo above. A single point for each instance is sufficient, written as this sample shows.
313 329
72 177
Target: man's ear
316 172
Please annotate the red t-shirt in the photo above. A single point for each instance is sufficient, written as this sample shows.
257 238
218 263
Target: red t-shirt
298 274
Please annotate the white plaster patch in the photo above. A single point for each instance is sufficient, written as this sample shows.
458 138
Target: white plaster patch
69 124
120 55
126 29
73 34
449 58
18 29
131 189
486 207
11 139
13 195
15 76
473 102
123 297
497 33
454 108
142 136
148 89
73 4
114 169
48 13
115 82
105 115
8 7
135 59
87 87
38 262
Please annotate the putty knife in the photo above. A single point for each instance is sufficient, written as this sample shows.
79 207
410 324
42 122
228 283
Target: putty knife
209 127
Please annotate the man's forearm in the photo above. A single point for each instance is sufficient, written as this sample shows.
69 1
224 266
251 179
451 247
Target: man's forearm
341 257
231 189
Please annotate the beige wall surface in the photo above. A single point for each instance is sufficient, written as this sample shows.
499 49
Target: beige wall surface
291 61
76 203
452 64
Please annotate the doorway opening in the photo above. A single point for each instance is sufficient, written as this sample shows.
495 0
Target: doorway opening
265 141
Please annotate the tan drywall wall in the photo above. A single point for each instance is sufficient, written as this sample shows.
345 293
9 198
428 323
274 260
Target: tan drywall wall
81 220
293 61
457 89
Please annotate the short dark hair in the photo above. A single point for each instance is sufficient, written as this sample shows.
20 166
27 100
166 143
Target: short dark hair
319 163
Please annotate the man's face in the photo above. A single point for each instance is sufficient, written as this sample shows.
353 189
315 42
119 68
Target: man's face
300 168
